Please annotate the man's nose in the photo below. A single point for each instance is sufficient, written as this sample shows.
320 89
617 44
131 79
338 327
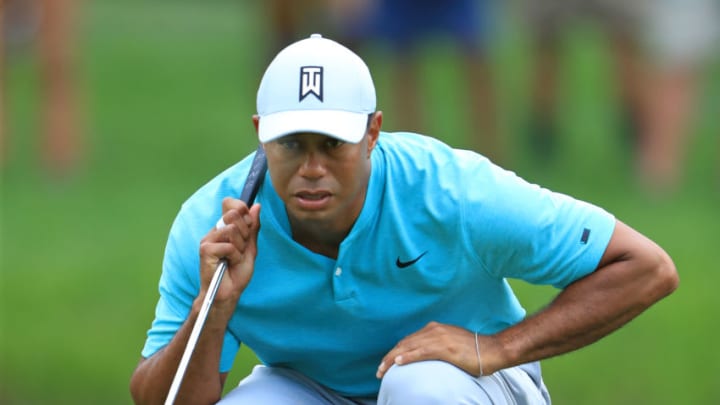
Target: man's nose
313 166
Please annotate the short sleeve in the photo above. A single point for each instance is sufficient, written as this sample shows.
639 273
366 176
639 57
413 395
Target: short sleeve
520 230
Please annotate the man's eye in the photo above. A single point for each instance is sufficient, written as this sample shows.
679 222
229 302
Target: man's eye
334 142
289 144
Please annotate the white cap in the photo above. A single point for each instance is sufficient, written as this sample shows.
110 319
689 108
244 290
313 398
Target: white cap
315 85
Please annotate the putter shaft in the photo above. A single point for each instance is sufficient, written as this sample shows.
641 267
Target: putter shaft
195 333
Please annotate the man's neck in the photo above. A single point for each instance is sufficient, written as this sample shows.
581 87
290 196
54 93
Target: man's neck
324 243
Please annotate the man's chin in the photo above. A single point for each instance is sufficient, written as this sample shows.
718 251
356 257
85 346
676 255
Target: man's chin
314 216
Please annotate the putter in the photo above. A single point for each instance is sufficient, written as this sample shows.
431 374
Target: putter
249 191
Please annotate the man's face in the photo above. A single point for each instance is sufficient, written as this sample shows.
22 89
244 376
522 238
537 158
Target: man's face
321 179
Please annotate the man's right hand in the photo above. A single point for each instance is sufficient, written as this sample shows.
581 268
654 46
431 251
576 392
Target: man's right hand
236 242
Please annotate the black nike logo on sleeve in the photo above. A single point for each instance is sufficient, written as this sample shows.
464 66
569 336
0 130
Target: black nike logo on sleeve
402 264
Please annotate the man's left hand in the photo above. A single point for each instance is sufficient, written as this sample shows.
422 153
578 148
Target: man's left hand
435 341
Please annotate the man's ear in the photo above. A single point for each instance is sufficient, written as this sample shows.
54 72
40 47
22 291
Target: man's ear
374 130
256 122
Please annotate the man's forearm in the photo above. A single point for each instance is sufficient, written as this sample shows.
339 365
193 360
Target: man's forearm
202 382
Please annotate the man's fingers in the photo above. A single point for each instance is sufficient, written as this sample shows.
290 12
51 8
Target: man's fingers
229 203
253 221
400 353
212 252
435 341
235 224
244 229
242 266
238 226
405 356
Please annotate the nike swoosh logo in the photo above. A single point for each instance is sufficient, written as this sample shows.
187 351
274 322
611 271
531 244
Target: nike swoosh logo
402 264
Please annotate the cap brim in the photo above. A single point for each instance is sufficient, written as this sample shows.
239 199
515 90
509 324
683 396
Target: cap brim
344 125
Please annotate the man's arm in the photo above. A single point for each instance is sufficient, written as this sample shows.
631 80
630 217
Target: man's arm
632 275
203 383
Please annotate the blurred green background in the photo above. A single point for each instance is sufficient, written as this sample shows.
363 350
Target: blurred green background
168 91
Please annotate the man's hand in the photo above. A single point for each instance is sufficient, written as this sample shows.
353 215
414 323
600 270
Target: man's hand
236 242
437 341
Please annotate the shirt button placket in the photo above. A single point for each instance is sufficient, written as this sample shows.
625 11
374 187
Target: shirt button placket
340 284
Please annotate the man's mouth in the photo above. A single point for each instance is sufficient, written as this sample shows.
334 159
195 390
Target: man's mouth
312 200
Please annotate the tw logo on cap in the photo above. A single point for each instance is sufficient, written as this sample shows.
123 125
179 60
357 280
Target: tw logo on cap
311 82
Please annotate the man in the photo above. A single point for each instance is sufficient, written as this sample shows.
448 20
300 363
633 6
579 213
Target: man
379 273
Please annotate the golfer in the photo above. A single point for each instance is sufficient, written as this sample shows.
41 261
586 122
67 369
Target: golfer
373 267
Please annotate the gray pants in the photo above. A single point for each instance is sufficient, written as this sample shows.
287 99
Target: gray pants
427 382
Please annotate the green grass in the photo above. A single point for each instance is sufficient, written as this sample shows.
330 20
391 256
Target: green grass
169 91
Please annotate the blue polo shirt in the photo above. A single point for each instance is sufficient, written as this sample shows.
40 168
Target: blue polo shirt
440 231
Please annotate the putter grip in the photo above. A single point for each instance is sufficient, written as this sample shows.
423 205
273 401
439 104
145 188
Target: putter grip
255 177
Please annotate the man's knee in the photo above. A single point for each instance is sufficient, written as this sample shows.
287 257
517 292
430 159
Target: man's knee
273 385
437 382
427 382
